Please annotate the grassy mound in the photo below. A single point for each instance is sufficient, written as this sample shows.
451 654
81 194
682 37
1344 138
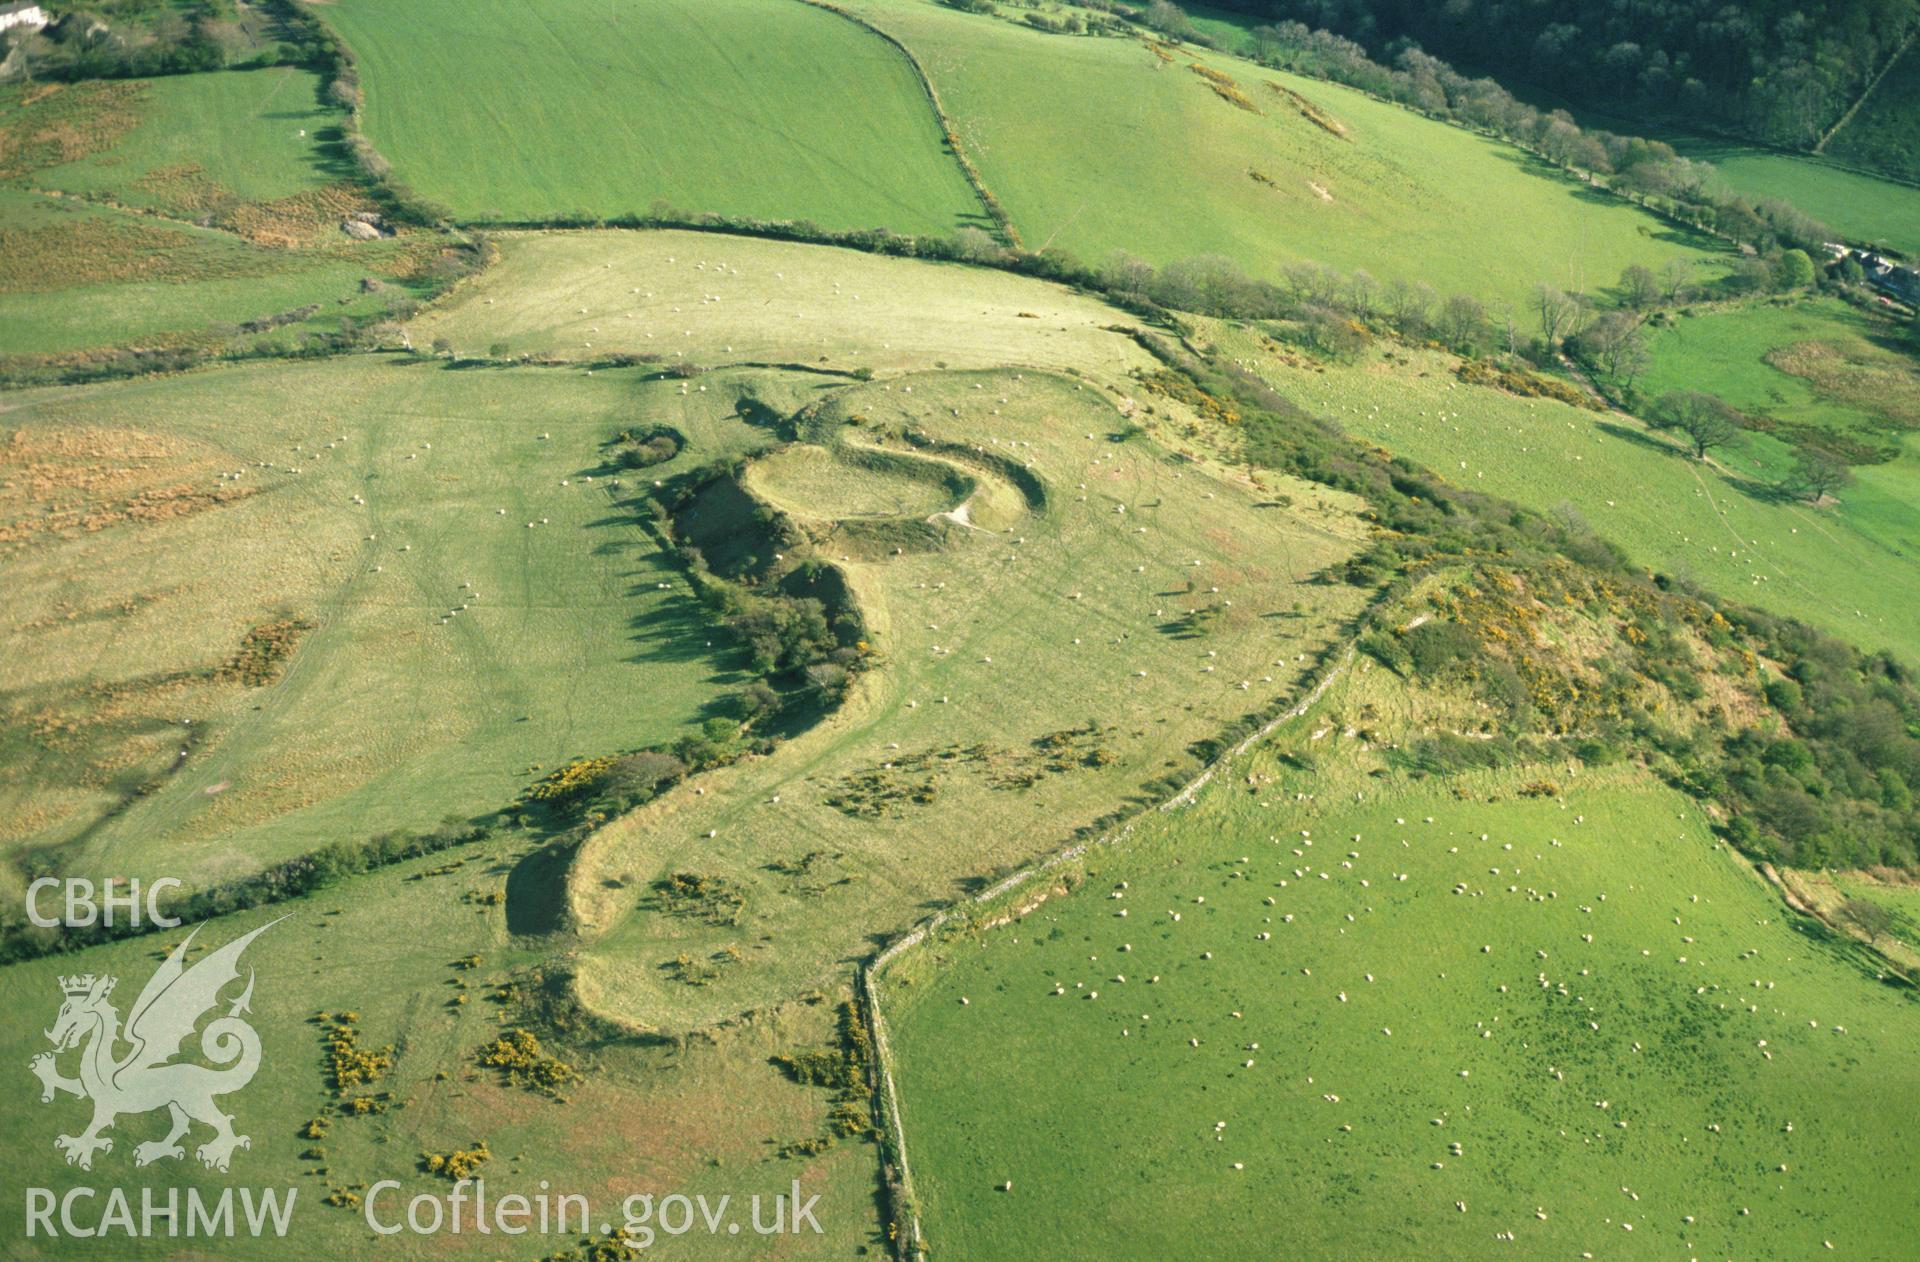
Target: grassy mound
1423 1015
751 107
1026 675
1349 182
816 482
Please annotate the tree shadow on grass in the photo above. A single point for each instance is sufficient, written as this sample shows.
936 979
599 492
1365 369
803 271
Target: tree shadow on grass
1638 437
1848 952
537 891
1761 492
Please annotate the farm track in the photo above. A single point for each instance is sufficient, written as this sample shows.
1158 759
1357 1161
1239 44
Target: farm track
1905 48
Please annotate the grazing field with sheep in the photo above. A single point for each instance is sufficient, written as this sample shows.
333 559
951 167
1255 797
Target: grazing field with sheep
381 590
703 299
1083 607
767 108
1445 1016
1833 565
1311 171
580 535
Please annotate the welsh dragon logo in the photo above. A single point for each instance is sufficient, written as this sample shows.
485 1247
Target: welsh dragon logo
168 1009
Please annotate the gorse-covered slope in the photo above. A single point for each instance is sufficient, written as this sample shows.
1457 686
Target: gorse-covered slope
767 108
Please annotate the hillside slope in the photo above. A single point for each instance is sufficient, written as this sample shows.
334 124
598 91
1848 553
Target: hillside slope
769 108
1445 1014
1302 170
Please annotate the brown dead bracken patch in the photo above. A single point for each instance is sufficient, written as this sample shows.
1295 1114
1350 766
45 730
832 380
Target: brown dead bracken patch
80 481
49 124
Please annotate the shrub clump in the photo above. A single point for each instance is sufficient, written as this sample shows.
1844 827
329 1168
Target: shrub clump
461 1163
523 1062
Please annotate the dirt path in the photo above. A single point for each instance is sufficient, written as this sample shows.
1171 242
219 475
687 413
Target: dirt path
1905 48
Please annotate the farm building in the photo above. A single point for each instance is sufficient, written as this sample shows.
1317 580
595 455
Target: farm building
23 13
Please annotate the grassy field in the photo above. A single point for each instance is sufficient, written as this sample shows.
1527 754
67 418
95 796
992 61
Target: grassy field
1849 569
175 212
204 139
1901 899
708 1118
1812 371
1050 651
708 299
1385 1017
1858 207
747 107
74 277
152 528
1399 195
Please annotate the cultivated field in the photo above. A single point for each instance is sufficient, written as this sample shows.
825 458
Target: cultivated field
1438 1018
746 107
260 609
1399 195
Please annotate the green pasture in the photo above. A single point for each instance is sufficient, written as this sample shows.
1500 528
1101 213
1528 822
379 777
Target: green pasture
380 497
1849 568
1857 206
1372 1017
1401 196
767 108
707 299
76 277
1901 901
1742 355
251 135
